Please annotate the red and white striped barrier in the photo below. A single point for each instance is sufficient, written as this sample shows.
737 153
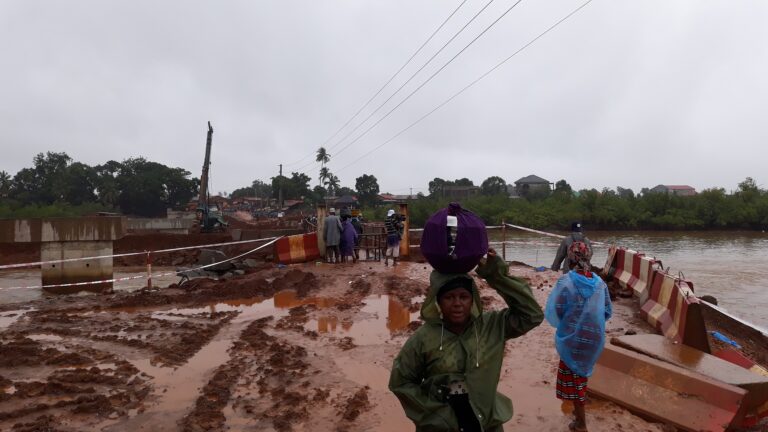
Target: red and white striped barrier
632 270
674 311
297 249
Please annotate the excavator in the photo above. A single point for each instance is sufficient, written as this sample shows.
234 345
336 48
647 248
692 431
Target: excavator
208 215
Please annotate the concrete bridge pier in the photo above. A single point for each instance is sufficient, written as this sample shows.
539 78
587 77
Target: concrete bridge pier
66 238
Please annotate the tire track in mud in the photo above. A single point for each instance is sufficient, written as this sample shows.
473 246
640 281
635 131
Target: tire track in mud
271 383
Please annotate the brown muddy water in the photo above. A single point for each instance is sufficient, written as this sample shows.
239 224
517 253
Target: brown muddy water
732 266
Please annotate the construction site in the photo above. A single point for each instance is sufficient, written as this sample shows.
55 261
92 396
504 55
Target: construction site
263 334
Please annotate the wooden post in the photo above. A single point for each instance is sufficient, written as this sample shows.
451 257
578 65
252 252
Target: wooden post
321 213
405 244
503 240
149 270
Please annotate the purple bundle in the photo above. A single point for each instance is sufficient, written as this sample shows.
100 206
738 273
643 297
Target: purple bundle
454 240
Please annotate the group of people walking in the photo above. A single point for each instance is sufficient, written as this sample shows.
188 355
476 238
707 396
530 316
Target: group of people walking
342 235
447 373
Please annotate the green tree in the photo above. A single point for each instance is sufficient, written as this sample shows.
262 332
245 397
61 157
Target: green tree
44 183
79 184
324 175
295 187
5 184
332 184
367 187
493 185
562 187
149 188
436 187
107 188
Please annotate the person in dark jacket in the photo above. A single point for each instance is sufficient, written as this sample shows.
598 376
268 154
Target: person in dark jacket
576 234
332 236
393 226
446 374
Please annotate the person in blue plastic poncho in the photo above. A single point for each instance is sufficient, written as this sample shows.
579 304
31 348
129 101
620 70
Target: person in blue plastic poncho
578 307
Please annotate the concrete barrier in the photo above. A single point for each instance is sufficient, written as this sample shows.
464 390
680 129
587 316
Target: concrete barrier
632 270
692 359
64 238
674 311
297 249
685 399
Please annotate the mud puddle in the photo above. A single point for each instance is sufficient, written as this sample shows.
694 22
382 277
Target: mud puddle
8 318
381 317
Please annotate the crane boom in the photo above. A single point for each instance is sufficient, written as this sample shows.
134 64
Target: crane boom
203 200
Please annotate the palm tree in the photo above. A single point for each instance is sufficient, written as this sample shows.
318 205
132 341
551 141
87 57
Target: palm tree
324 174
333 184
5 184
322 156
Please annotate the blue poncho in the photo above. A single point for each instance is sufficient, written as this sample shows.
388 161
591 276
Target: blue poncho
578 307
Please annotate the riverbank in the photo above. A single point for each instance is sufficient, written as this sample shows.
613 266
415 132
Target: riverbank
300 348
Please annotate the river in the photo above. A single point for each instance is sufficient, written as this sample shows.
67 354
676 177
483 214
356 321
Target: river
732 266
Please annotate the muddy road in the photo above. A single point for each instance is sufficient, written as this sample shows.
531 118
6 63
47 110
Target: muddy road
302 348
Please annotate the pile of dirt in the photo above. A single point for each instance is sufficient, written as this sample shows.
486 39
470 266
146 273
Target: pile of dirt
25 352
405 289
355 405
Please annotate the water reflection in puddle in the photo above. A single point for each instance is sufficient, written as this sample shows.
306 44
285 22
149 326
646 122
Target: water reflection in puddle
45 337
7 319
382 316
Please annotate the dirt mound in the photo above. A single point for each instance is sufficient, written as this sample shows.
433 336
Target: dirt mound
294 279
44 423
405 289
25 352
355 405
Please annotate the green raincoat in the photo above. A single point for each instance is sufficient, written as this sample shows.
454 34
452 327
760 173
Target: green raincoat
433 356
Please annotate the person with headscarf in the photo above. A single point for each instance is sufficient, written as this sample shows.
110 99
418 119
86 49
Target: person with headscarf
357 224
578 307
394 229
348 239
577 234
447 372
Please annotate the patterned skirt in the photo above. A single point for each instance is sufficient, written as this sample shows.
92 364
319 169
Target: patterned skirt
570 386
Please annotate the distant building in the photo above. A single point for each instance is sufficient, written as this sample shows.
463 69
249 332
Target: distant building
346 201
460 192
395 199
532 183
512 191
679 190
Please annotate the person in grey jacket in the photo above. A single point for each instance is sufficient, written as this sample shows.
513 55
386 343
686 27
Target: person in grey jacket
576 234
332 236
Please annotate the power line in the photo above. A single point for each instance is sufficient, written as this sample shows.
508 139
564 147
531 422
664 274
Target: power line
468 86
416 73
426 81
431 76
388 81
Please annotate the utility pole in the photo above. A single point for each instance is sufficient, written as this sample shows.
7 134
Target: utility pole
410 195
280 189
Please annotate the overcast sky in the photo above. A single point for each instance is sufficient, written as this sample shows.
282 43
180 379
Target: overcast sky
624 93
